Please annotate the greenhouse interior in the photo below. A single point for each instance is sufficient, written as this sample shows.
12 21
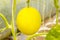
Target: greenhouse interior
29 19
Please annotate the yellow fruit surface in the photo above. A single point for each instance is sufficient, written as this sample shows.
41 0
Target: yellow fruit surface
28 20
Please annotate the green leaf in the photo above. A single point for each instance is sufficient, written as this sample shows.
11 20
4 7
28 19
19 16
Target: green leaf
54 33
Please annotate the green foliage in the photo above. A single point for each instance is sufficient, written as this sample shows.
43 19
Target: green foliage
56 3
54 33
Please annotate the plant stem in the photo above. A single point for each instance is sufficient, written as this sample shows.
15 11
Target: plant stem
57 6
5 20
35 35
28 3
57 16
13 12
1 30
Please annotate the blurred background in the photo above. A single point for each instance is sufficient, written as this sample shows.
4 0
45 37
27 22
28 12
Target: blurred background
45 7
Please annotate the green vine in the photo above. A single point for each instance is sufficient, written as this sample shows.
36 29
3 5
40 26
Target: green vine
6 22
56 3
35 35
57 6
13 12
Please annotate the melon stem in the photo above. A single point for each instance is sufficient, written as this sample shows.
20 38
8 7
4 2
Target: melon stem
28 3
